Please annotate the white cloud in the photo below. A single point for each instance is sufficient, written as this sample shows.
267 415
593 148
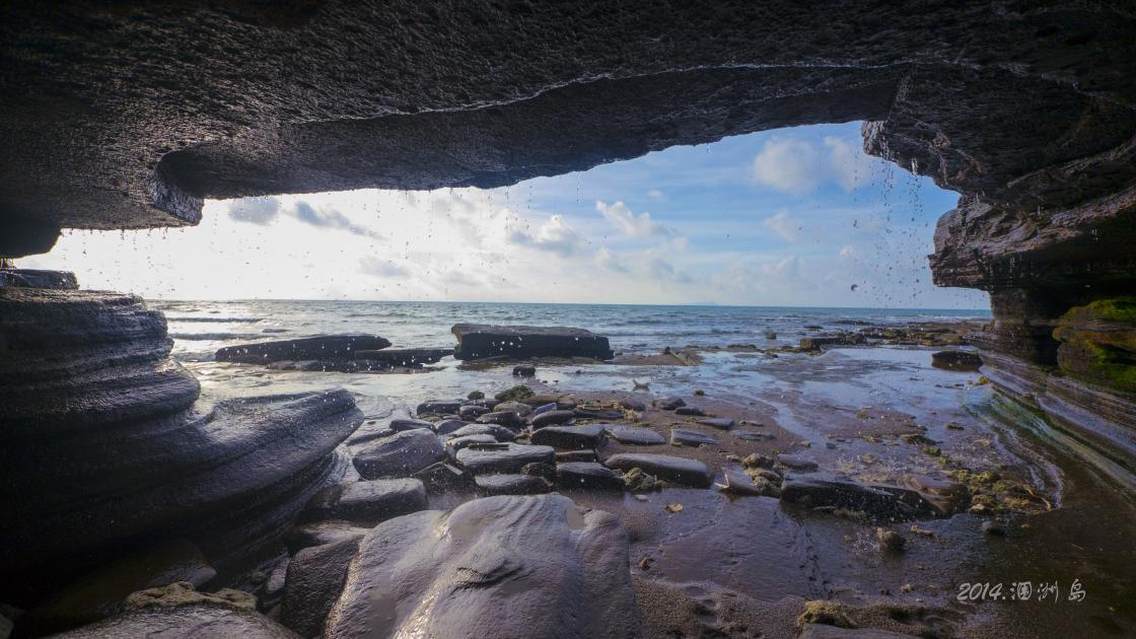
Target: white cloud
798 167
784 225
656 194
379 267
629 223
555 235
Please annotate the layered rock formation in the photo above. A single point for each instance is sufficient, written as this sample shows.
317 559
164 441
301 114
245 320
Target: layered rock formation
107 446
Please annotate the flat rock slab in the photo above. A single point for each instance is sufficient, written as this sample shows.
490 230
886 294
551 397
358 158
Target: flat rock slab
327 347
721 423
379 499
956 360
457 443
399 455
754 436
443 476
321 533
587 476
472 412
885 502
511 484
552 418
505 460
676 469
635 436
797 463
689 411
502 418
191 621
438 407
493 568
499 433
479 341
447 426
576 437
403 357
405 423
684 437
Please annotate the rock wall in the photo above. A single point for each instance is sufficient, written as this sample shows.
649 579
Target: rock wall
107 446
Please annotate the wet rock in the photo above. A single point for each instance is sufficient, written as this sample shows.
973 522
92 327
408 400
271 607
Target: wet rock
579 437
522 409
884 502
315 579
721 423
326 347
182 593
797 463
373 501
540 469
479 341
322 533
190 621
689 411
448 426
457 443
507 564
824 631
443 476
32 278
399 455
509 459
587 476
502 418
956 360
817 342
670 403
472 412
515 394
754 436
402 357
684 437
635 436
636 405
524 371
401 424
677 469
102 593
593 413
890 541
743 484
439 407
499 433
576 456
511 484
475 395
551 418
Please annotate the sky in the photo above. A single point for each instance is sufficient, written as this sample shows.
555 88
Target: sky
791 217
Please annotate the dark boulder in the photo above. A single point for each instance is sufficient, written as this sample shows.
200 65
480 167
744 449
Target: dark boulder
956 360
402 423
370 501
480 341
551 418
507 565
402 357
511 484
883 502
471 412
447 426
578 437
587 476
721 423
315 578
670 403
399 455
440 407
677 469
524 371
509 458
635 435
689 411
499 433
501 418
321 533
684 437
457 443
443 476
326 347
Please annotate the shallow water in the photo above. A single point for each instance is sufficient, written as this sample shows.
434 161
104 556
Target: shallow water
847 406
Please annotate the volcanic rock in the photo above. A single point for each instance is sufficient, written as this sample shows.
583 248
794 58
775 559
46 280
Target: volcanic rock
509 459
315 579
587 476
580 437
480 341
635 436
507 564
370 501
499 433
399 455
884 502
325 347
511 484
438 407
402 357
684 437
677 469
401 424
551 417
501 418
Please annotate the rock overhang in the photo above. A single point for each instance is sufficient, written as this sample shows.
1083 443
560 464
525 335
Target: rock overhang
128 117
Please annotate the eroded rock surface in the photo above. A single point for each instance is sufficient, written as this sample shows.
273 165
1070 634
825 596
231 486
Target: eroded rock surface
497 568
481 341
